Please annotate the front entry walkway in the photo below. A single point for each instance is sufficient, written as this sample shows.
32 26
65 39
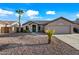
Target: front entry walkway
71 39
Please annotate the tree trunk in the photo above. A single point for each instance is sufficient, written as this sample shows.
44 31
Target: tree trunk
49 40
19 23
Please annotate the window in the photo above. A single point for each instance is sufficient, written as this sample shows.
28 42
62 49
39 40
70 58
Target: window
27 28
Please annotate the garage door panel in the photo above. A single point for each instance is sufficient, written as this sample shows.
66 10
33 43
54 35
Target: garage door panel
60 29
5 29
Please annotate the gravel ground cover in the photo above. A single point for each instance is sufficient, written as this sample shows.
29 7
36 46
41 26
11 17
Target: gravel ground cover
34 44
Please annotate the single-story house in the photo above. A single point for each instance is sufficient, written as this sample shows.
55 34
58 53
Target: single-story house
8 26
60 25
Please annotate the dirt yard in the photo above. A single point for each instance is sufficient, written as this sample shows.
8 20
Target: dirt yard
33 44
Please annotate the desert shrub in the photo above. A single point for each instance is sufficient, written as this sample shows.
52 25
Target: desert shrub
26 31
50 33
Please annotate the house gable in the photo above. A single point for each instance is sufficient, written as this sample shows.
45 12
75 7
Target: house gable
28 23
60 21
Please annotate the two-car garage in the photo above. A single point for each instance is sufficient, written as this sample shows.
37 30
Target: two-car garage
6 29
60 25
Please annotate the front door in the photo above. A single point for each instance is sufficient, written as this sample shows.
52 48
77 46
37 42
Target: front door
39 29
33 28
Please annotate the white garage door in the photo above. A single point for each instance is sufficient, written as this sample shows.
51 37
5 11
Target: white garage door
60 29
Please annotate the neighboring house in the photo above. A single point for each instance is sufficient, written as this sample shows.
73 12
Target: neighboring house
8 26
60 25
77 21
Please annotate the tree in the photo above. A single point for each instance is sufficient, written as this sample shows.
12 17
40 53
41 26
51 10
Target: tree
20 12
50 33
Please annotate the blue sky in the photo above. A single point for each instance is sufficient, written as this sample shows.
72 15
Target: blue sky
39 11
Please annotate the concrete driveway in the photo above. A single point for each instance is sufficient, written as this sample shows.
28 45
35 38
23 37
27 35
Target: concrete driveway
71 39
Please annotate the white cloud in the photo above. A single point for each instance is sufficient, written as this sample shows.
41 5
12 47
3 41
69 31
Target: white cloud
48 19
77 15
51 12
32 13
5 12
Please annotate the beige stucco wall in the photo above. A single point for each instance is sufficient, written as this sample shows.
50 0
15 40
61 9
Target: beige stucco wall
14 27
60 23
41 28
30 26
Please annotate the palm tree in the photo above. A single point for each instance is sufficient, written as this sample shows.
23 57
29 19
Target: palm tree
20 12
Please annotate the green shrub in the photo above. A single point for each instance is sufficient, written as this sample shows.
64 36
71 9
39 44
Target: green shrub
26 31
